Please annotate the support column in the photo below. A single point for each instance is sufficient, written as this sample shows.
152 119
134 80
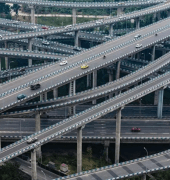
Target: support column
156 97
154 17
38 128
74 15
6 58
0 65
79 149
72 91
94 83
118 130
33 165
55 92
89 80
111 29
143 177
160 103
153 54
30 48
158 15
120 11
76 39
106 147
32 14
0 142
137 23
118 69
110 72
43 96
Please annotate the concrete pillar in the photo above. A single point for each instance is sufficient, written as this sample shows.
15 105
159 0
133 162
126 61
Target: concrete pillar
153 54
6 58
111 29
137 23
106 147
168 13
79 149
72 91
156 97
154 17
158 15
89 80
43 96
32 14
30 48
110 72
55 92
0 142
33 165
160 103
74 15
143 177
118 130
0 65
118 69
94 83
38 128
76 39
120 11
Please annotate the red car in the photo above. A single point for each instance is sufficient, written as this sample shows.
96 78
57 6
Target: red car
43 27
135 129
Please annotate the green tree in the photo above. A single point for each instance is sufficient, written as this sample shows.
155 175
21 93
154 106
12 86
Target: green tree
16 7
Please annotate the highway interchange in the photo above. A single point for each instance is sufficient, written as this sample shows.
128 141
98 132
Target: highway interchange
53 76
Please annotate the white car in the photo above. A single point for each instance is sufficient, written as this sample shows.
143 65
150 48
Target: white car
68 26
32 140
98 22
45 43
138 45
137 36
63 63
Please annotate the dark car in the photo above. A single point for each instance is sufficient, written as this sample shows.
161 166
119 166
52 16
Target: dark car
76 49
35 86
21 96
135 129
22 70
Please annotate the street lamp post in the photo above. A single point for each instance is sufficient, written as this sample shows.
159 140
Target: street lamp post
44 174
146 150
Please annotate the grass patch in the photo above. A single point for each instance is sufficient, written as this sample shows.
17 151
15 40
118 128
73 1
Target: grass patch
60 21
71 161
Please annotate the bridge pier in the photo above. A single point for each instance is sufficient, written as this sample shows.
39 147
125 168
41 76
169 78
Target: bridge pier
72 91
89 79
55 92
76 39
160 103
38 128
79 149
118 69
0 65
143 177
74 16
94 83
137 23
154 17
111 29
158 15
156 97
120 11
106 147
6 58
32 14
33 165
0 142
30 48
118 130
43 96
110 72
153 54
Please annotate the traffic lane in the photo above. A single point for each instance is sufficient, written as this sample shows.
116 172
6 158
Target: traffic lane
89 24
110 86
77 58
88 113
77 70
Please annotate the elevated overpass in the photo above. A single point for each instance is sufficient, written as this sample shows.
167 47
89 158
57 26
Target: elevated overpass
84 5
100 91
85 117
91 24
73 70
